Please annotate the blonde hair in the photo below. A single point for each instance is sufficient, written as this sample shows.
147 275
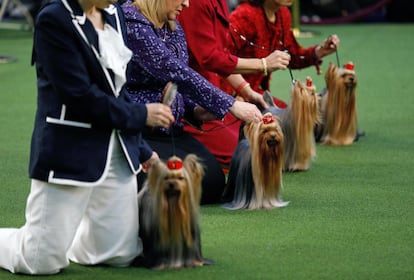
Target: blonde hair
153 11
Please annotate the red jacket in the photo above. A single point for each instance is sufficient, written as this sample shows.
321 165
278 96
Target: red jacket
253 36
206 24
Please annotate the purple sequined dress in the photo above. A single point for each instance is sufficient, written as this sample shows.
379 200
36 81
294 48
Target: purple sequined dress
160 56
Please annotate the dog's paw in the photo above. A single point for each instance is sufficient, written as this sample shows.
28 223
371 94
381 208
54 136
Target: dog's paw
207 261
279 203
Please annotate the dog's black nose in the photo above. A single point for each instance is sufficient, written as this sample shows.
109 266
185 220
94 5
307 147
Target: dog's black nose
272 142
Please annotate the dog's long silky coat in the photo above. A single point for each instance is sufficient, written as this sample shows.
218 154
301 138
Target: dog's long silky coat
169 214
255 175
298 121
338 107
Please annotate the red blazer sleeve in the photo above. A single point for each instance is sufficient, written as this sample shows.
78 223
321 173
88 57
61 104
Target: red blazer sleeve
205 24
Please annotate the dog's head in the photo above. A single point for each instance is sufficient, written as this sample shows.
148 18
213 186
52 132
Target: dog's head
348 76
303 90
175 179
344 77
266 135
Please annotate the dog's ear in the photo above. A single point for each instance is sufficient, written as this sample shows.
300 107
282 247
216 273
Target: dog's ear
195 170
154 172
330 74
297 86
192 165
249 130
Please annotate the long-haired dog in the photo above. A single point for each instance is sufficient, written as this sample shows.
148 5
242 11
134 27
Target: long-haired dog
338 107
169 214
298 121
255 175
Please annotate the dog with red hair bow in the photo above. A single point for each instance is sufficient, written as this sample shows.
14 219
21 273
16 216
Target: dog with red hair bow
255 175
298 121
338 107
169 214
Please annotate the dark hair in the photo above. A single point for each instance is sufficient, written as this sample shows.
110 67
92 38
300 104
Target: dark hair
257 3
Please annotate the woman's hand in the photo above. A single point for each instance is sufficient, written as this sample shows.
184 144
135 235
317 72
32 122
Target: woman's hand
159 115
246 111
248 94
277 60
146 165
328 46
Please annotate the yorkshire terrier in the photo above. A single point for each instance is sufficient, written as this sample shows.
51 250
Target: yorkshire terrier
298 121
255 175
338 125
169 214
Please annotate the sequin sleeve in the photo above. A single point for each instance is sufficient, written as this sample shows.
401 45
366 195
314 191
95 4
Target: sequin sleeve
154 64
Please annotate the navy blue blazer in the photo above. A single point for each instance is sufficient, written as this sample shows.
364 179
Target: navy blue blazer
78 112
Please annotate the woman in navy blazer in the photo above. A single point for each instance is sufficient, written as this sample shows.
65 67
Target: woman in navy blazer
86 145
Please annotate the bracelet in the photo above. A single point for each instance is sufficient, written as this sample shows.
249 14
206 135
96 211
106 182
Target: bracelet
241 87
264 66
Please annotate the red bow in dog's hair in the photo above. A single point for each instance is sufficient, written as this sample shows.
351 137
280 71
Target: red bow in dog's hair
308 81
349 66
268 119
174 164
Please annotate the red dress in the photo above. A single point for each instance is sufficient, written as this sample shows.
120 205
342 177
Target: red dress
205 24
253 36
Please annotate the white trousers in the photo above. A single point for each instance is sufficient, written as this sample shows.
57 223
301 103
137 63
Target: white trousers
87 225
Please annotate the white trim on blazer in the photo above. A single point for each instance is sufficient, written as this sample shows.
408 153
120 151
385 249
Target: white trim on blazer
80 20
63 121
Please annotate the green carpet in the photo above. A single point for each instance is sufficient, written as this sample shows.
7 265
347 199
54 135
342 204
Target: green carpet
350 216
